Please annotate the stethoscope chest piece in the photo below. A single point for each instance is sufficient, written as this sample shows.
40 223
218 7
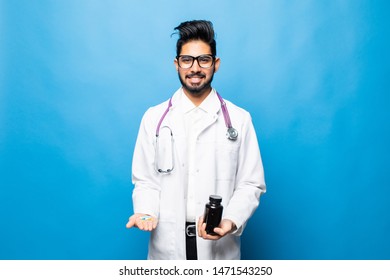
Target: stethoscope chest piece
232 134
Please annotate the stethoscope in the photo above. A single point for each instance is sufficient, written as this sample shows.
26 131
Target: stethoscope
231 133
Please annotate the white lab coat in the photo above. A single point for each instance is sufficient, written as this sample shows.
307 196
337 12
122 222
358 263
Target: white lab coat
231 169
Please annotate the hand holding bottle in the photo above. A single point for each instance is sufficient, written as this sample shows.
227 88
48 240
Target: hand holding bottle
225 227
210 226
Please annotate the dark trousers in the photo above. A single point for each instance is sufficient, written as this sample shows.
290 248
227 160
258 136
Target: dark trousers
191 250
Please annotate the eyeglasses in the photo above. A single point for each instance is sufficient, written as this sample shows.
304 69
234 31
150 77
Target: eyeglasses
204 61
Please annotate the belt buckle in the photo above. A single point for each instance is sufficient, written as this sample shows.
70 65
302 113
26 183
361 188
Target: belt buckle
191 230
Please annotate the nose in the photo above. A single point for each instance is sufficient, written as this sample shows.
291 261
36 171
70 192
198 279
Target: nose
195 66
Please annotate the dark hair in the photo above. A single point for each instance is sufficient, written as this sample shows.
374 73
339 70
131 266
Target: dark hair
196 30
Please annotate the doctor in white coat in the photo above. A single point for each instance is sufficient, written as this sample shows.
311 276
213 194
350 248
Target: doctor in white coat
175 172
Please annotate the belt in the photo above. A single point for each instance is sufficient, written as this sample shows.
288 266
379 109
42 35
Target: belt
191 250
190 229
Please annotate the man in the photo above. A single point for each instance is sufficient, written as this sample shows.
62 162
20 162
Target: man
182 156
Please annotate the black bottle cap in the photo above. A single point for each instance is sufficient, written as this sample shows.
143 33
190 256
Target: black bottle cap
215 199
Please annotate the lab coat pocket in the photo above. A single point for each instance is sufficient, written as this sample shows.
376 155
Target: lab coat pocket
226 162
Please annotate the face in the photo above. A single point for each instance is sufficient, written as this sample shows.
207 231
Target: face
196 80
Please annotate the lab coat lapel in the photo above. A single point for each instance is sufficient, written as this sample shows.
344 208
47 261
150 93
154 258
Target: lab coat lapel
212 113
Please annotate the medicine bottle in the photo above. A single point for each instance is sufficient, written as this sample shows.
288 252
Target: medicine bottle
213 213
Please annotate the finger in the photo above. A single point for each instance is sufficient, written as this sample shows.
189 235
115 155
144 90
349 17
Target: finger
140 224
221 232
202 229
198 225
142 221
154 223
211 237
200 222
227 226
150 225
146 222
131 222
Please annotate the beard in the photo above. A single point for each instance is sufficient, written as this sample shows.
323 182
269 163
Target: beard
199 88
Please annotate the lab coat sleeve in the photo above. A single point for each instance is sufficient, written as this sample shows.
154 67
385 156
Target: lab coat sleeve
146 191
250 182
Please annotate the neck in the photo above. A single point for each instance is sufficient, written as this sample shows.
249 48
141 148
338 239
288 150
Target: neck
197 98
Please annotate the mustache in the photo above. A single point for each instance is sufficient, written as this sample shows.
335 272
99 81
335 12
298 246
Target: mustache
197 74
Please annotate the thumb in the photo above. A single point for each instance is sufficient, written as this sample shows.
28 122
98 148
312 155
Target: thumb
131 221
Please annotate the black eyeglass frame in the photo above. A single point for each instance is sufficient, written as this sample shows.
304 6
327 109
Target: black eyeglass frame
197 60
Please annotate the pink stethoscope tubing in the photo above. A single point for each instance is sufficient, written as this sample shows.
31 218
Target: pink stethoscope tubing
231 132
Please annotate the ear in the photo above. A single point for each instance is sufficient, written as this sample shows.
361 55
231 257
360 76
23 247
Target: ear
176 64
216 64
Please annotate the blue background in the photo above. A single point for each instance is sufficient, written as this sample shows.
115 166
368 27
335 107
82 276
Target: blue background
77 76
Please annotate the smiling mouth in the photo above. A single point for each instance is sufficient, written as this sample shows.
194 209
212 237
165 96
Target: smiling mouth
195 78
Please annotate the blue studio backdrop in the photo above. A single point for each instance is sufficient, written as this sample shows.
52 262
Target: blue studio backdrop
77 76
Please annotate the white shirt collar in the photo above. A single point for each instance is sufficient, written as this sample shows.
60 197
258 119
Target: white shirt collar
186 104
207 105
